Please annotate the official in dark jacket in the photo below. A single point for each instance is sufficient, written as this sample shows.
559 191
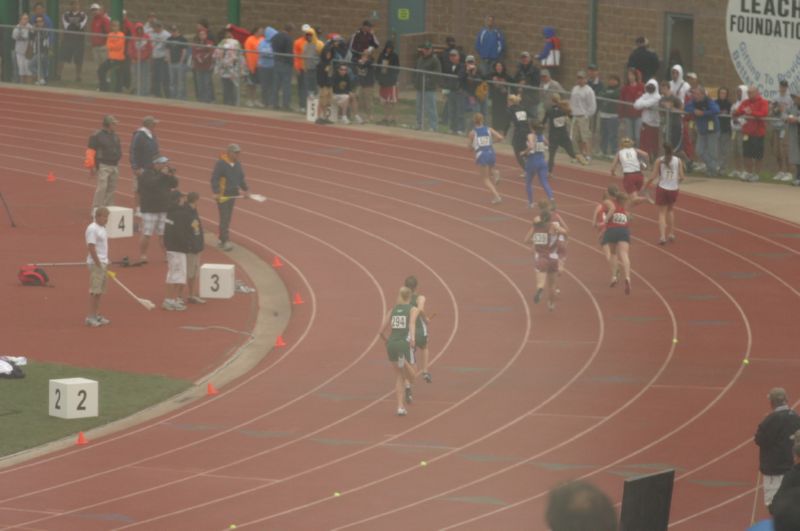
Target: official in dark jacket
773 438
227 182
143 151
791 480
155 185
107 151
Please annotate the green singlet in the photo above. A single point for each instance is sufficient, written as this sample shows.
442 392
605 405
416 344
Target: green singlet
421 335
397 344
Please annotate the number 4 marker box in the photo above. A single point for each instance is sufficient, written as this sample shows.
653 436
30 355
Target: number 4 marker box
217 281
120 222
73 398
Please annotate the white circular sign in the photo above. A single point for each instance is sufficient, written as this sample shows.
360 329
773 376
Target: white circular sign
764 42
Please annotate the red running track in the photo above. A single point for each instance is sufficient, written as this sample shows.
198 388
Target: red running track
521 400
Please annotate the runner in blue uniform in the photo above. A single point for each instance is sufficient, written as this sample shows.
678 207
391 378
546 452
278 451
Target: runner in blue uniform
536 163
480 140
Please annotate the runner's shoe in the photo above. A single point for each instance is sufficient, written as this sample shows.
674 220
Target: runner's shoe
401 412
427 377
409 397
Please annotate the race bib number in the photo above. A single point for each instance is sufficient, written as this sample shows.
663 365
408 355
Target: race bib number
484 141
561 121
619 218
399 322
540 238
540 147
629 155
668 175
522 116
710 125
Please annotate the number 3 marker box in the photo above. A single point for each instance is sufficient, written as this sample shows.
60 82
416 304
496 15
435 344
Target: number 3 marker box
120 222
73 398
217 281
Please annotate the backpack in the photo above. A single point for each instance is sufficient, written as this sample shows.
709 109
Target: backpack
31 275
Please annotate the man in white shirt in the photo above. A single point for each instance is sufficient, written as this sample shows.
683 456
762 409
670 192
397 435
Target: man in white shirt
97 260
584 106
159 37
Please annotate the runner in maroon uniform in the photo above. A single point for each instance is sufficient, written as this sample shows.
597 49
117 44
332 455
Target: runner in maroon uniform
544 236
617 237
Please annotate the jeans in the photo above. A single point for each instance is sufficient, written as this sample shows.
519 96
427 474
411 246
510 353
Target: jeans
454 112
103 72
609 128
310 82
707 147
204 86
141 72
39 66
177 81
724 151
161 78
302 93
282 85
225 215
230 92
631 128
426 102
265 76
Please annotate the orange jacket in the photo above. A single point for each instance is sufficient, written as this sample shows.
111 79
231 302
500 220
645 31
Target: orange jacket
251 45
116 46
299 45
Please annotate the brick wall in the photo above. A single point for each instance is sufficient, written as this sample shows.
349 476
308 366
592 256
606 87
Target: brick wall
619 23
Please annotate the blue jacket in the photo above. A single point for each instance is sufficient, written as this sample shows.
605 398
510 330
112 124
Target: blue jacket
490 44
266 59
710 115
143 150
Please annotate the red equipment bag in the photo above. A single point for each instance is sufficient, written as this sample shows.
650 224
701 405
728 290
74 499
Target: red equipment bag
32 275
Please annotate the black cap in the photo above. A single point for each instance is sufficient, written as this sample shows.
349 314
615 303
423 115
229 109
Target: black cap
783 83
367 23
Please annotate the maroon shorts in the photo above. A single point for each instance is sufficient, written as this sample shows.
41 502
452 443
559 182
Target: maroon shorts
666 197
648 140
633 182
388 94
545 264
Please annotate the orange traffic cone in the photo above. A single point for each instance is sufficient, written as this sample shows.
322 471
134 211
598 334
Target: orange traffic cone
51 177
81 439
298 299
276 263
280 342
211 390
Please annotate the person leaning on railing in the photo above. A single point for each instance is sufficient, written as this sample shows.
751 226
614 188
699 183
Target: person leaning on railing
139 50
425 84
202 65
23 48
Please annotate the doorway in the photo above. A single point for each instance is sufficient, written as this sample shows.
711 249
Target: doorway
678 42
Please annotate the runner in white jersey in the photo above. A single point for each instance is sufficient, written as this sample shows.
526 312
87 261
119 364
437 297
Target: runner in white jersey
631 160
668 174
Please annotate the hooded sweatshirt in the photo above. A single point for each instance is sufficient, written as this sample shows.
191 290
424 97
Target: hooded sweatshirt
648 104
266 58
679 87
140 49
736 123
311 50
551 53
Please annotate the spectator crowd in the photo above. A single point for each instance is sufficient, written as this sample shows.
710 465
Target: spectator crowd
730 132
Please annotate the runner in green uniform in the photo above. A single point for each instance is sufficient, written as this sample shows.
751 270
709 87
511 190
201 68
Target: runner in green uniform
421 337
400 344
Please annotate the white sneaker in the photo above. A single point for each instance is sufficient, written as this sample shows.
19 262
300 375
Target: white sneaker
752 178
259 104
778 176
742 175
359 120
102 320
249 103
699 167
787 177
497 200
92 321
345 121
172 305
401 412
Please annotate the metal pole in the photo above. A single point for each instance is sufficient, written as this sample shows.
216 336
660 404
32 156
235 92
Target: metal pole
593 31
116 11
234 11
422 121
8 15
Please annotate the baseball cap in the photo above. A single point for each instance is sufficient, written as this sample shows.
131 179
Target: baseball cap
427 44
580 73
160 160
94 6
525 54
234 148
691 74
470 59
641 40
783 83
544 72
149 120
453 52
109 119
305 28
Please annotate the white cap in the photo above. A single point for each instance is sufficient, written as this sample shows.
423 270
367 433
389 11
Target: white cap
305 28
94 6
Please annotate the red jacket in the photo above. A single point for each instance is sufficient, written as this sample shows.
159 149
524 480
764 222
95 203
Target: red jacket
100 24
759 108
239 33
140 49
630 93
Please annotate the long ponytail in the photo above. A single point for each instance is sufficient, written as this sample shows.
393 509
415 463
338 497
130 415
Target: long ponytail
668 149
